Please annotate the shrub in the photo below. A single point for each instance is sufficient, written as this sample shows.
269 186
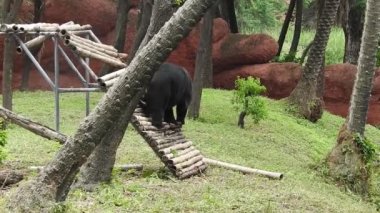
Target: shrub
246 99
3 141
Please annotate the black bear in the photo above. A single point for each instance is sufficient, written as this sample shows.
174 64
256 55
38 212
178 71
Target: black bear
170 86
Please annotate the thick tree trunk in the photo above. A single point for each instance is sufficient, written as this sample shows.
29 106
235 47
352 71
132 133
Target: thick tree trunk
54 180
99 165
9 14
285 26
305 96
146 7
121 27
203 64
297 30
349 168
353 30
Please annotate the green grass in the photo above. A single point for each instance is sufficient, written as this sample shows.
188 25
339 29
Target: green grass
334 50
279 143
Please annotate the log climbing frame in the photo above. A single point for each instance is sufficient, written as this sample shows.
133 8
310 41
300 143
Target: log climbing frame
169 144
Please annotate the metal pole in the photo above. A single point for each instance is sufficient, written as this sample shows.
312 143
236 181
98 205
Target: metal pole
56 80
71 65
35 62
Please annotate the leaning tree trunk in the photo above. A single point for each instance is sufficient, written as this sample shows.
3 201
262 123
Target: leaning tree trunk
297 30
285 26
100 164
203 63
304 97
353 30
346 162
51 184
121 27
9 14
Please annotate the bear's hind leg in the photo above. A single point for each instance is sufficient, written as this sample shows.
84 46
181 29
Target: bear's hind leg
157 116
169 116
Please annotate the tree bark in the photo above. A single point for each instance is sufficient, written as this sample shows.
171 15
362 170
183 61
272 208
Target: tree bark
54 180
9 14
353 30
297 30
143 24
100 164
203 64
349 167
305 96
121 27
285 26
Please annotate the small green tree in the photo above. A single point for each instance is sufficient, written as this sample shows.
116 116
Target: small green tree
246 99
3 140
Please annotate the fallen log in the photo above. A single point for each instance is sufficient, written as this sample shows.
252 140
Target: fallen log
8 177
32 126
124 167
243 169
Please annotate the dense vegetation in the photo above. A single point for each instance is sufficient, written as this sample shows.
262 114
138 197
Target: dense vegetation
280 143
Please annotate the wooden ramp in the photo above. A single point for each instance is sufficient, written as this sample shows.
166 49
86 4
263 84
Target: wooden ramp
170 145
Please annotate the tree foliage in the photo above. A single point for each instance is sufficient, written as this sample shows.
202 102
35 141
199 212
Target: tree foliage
246 98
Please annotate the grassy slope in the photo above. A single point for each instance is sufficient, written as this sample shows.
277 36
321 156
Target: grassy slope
279 143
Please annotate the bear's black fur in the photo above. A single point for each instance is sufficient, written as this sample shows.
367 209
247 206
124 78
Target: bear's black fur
169 87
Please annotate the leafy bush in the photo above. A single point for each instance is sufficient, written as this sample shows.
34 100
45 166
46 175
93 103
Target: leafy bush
3 141
246 98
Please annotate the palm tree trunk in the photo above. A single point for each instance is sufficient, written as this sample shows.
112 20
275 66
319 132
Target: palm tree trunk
41 193
347 161
305 96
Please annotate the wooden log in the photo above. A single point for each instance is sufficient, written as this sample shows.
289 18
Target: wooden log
192 172
195 166
8 177
184 157
75 45
176 147
182 152
64 29
110 76
243 169
80 39
33 42
124 167
85 53
32 126
188 162
89 46
171 139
